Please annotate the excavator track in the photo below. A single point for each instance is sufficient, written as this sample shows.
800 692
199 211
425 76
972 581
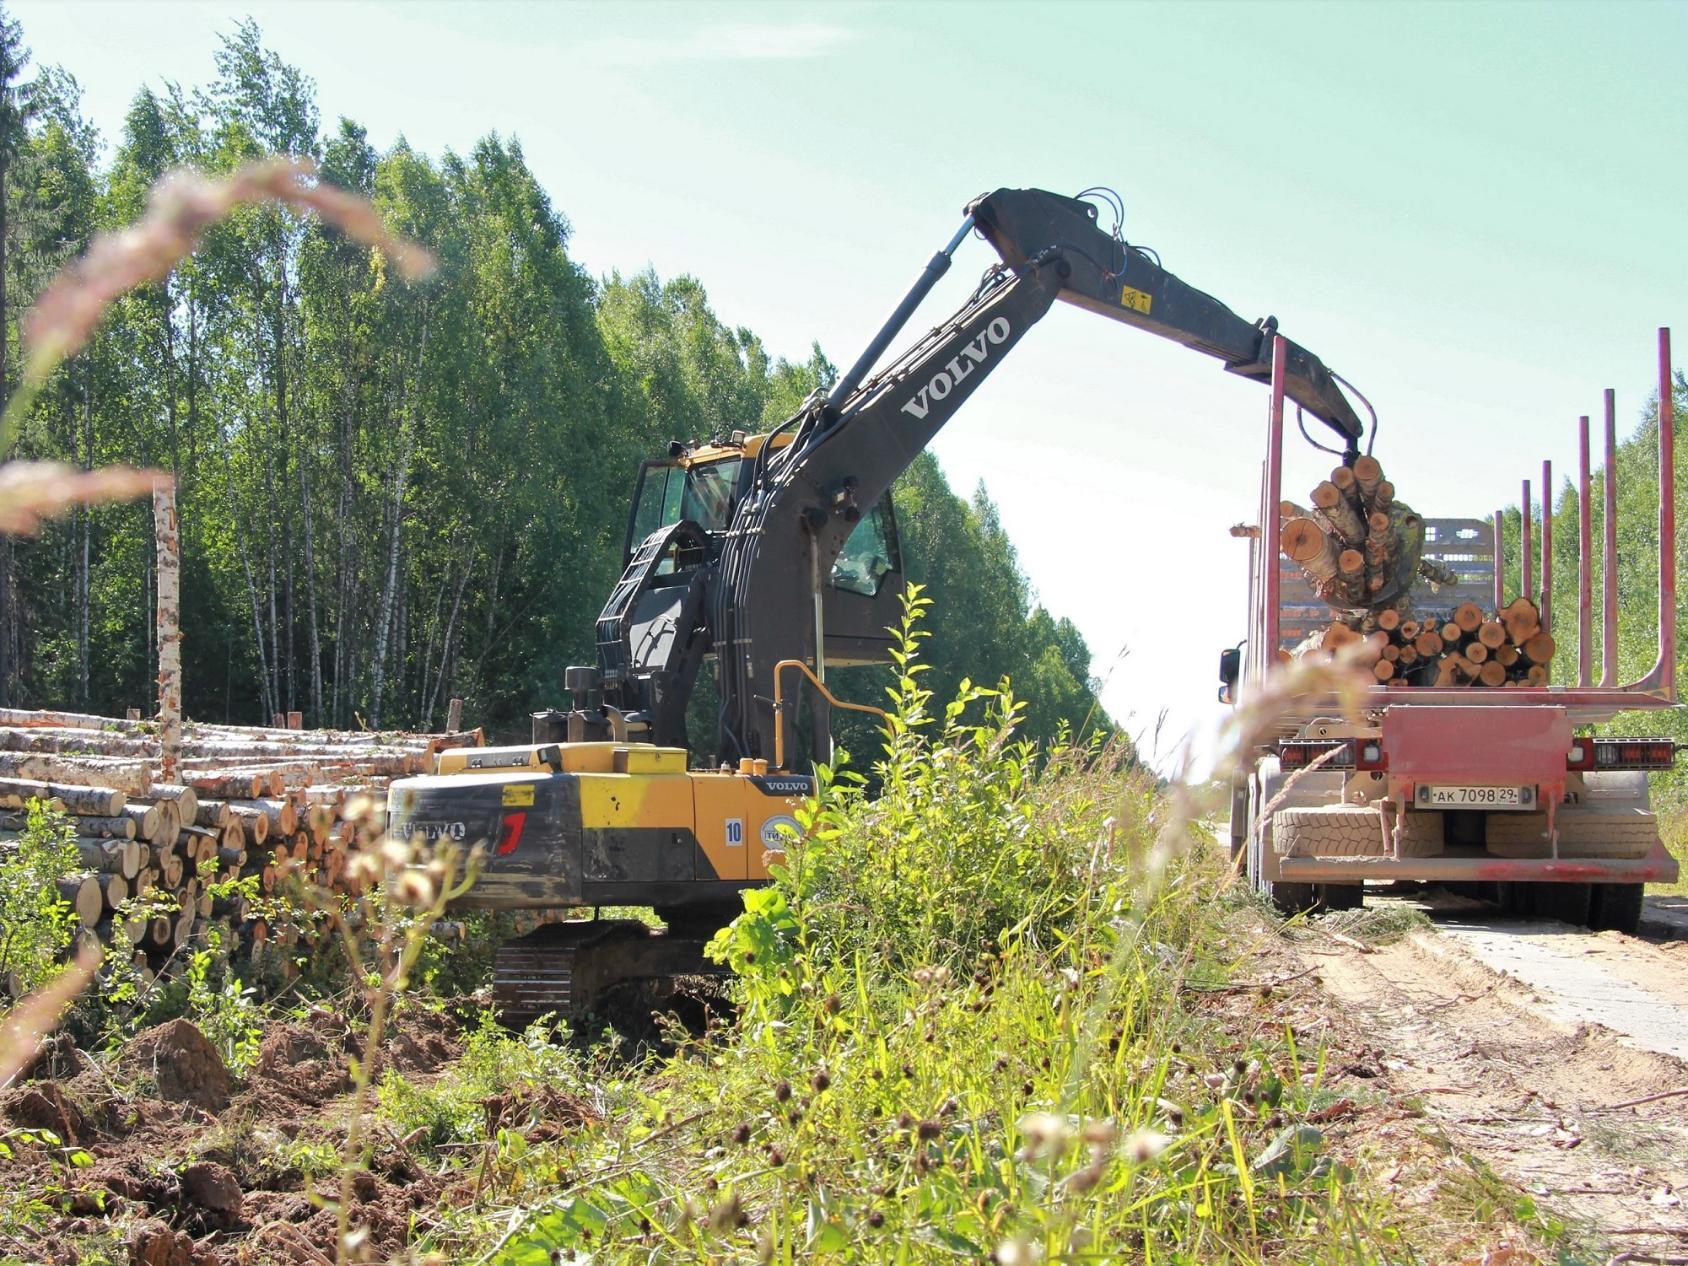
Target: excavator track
569 969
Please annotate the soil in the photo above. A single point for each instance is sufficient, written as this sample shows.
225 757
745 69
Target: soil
171 1137
1524 1046
1464 1068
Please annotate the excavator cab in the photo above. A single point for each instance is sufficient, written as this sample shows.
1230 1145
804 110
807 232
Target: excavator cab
862 599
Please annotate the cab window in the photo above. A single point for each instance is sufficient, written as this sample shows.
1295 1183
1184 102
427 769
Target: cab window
669 493
869 554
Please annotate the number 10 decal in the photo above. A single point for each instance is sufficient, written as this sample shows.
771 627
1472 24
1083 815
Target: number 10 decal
735 832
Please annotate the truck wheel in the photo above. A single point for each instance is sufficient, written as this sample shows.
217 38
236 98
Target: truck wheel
1569 903
1241 793
1289 899
1342 896
1292 899
1617 908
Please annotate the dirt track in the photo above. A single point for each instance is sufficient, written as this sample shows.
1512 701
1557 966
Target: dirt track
1522 1039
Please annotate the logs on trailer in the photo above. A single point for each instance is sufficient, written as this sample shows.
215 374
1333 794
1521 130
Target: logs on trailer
262 802
1362 552
1469 648
1359 547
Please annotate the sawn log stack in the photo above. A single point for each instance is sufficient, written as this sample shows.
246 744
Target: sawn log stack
249 801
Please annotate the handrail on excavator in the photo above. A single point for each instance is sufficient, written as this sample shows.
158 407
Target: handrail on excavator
818 684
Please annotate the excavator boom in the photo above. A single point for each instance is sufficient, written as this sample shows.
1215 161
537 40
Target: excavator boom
1114 279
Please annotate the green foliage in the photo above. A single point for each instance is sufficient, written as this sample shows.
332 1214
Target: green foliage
955 813
963 1036
223 1007
37 925
452 1109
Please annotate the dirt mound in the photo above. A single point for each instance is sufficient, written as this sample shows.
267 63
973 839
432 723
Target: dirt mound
301 1063
421 1041
384 1211
134 1184
182 1063
153 1243
43 1107
541 1113
213 1188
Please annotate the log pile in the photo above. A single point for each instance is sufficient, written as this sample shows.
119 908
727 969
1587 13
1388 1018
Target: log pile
248 801
1465 647
1362 552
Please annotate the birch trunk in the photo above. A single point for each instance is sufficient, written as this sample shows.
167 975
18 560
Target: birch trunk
389 589
168 537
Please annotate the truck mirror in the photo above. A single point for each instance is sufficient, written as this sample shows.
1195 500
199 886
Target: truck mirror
1224 694
1230 665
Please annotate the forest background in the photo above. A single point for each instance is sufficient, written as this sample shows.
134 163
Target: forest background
390 494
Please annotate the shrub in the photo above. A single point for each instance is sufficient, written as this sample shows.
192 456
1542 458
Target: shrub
37 925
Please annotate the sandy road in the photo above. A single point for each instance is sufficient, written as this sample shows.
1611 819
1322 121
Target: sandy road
1524 1040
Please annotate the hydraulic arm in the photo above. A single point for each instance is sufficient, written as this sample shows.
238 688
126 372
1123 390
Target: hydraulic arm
848 448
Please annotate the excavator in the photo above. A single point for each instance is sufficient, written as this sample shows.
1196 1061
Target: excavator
771 556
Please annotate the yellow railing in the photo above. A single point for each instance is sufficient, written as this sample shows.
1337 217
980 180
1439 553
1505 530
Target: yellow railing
818 684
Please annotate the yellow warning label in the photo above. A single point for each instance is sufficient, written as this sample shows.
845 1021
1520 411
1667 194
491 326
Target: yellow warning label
518 795
1136 300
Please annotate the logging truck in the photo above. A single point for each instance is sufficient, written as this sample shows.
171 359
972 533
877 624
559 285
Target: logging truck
1464 765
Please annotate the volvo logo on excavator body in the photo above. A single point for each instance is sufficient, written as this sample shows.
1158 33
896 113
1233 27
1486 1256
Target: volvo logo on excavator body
960 366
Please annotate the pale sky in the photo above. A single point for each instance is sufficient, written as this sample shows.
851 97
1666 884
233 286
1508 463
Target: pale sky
1475 212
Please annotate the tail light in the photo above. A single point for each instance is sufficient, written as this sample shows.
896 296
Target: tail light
510 833
1301 753
1607 753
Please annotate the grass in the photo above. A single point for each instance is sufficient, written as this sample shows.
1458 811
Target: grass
963 1033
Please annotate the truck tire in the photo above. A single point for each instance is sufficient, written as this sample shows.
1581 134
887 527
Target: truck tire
1341 896
1617 908
1289 899
1337 830
1569 903
1624 832
1242 791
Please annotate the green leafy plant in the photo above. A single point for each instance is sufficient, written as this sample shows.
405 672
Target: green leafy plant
37 925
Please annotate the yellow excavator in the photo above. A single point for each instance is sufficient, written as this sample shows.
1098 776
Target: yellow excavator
771 557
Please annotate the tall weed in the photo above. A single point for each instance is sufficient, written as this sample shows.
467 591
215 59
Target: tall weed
962 1035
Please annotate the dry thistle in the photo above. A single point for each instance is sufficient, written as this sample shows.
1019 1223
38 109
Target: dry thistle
1144 1145
33 491
32 1019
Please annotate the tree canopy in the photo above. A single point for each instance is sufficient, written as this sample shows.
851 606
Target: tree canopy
389 494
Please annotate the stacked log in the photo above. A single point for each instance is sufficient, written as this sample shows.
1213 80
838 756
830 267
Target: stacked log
251 801
1359 547
1466 647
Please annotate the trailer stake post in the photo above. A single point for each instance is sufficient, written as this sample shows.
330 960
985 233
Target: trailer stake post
1585 562
1526 570
1609 556
1547 547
